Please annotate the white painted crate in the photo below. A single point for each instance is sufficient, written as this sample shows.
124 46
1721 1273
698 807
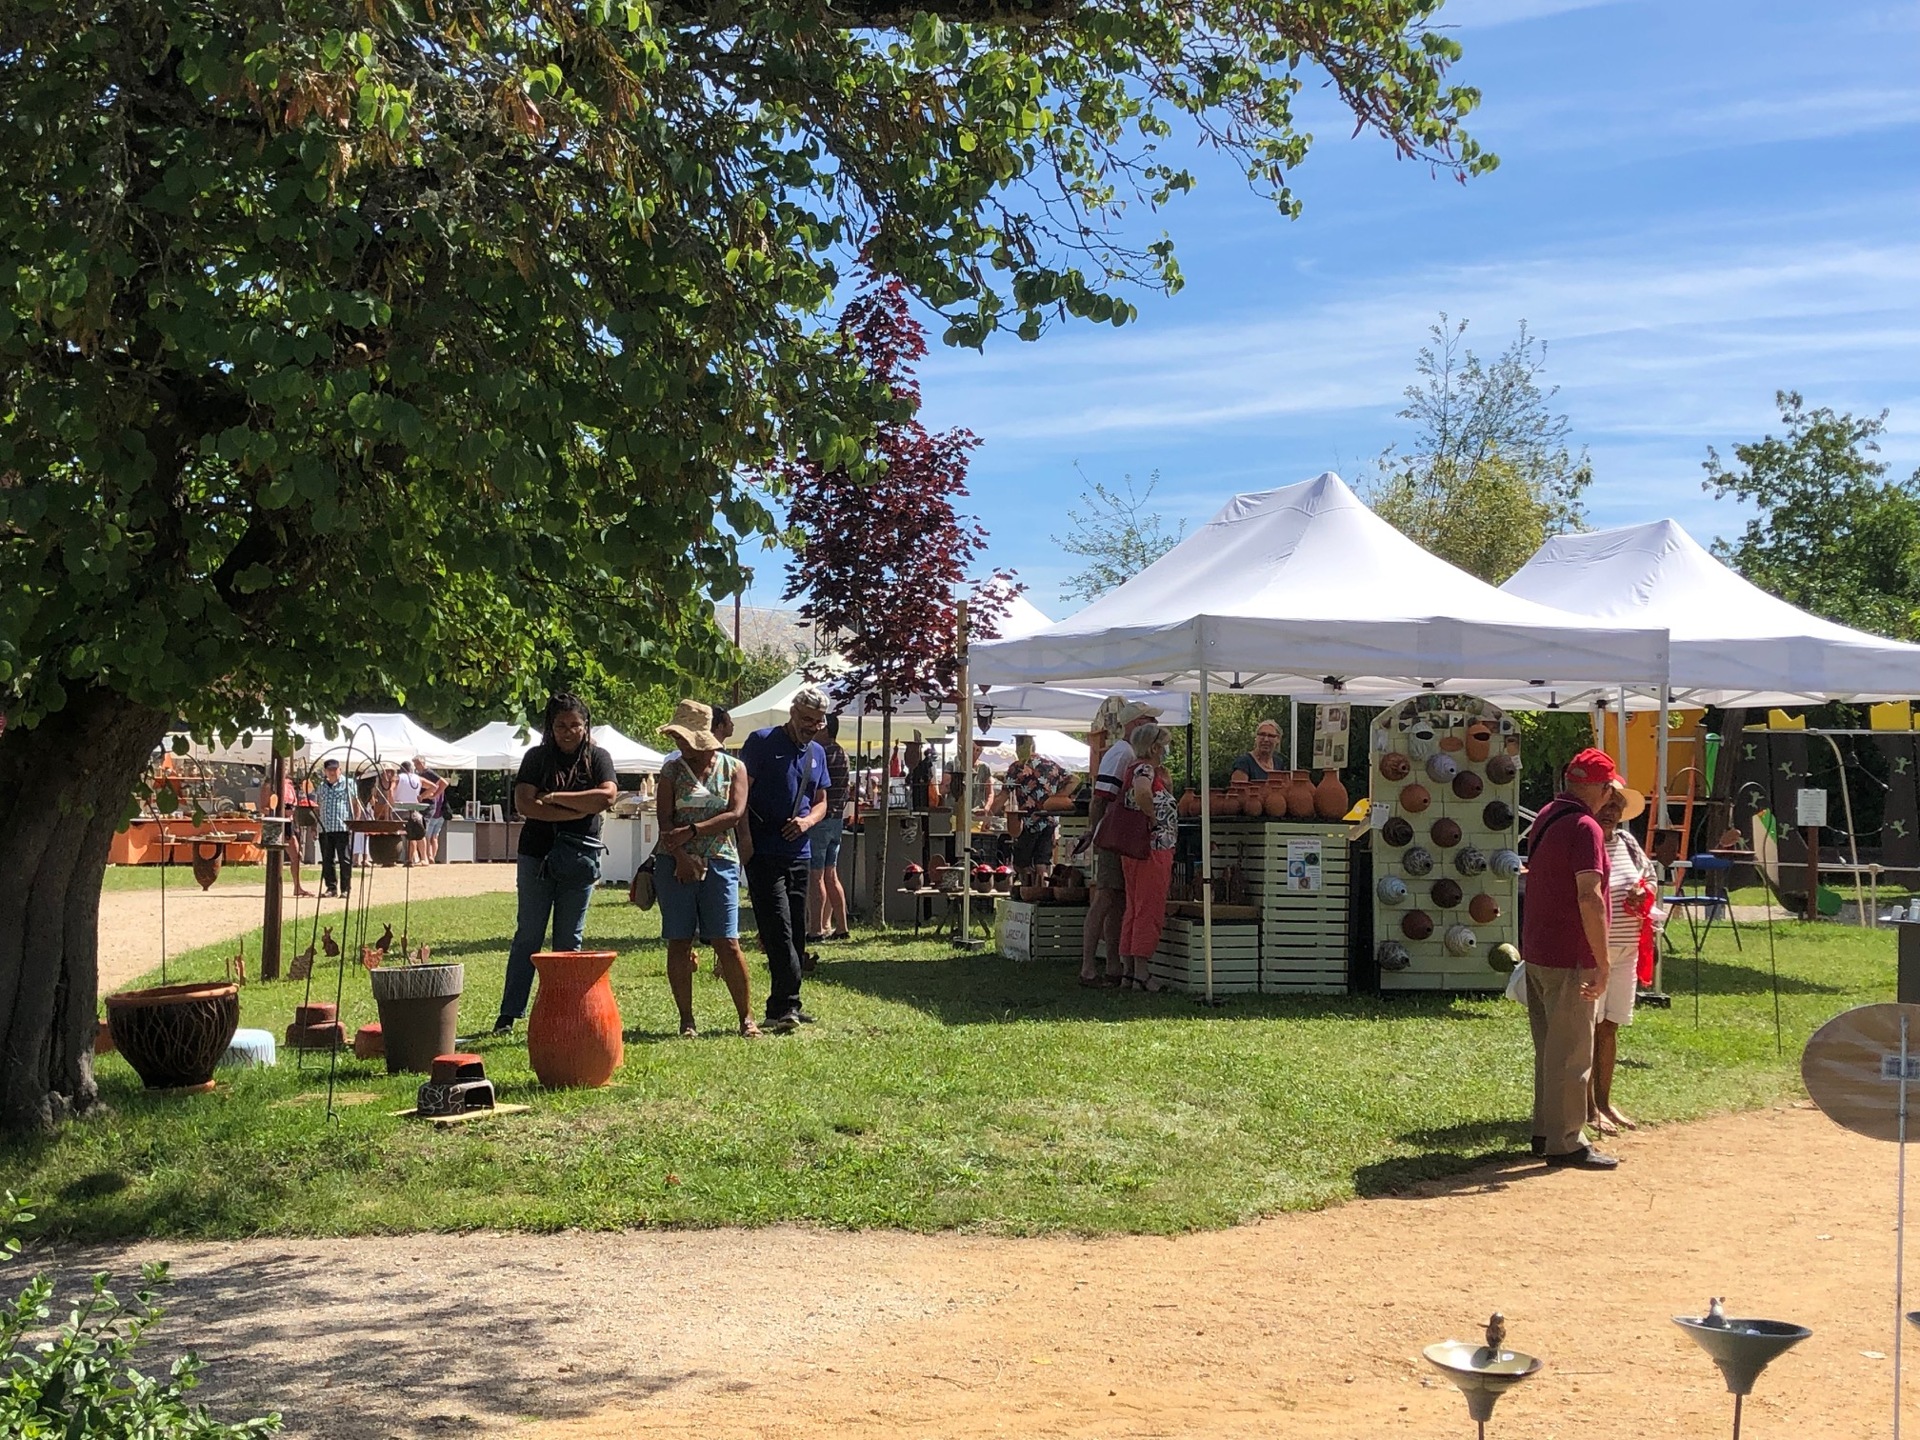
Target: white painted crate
1040 932
1181 959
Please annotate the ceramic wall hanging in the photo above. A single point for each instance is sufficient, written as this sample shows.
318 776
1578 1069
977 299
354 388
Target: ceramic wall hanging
1445 833
1502 768
1422 742
1461 940
1468 785
1416 924
1470 861
1484 909
1394 766
1504 863
1442 768
1392 955
1417 861
1497 816
1479 741
1446 894
1414 799
1397 831
1391 889
1330 798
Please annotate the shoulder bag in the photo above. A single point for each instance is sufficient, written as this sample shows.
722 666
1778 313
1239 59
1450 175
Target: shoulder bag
1123 831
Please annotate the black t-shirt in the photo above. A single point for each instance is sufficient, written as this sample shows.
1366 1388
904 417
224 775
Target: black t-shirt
546 770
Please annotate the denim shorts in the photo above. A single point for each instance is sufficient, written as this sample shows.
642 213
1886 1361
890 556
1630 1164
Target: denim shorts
707 911
824 851
435 825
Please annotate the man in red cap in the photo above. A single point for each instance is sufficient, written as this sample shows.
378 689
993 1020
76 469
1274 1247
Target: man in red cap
1563 938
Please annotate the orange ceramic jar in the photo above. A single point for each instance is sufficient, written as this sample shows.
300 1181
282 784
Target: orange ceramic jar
573 1035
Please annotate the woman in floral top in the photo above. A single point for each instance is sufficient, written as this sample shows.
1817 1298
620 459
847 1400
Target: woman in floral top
702 795
1148 879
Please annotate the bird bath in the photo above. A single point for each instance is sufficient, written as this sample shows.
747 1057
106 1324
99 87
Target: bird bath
1483 1372
1741 1348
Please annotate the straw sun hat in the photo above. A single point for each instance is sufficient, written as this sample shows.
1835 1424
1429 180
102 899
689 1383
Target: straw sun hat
692 726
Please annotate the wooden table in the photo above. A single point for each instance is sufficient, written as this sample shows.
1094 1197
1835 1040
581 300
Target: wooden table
151 841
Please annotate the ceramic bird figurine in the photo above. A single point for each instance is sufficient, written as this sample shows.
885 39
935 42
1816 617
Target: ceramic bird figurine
420 955
328 943
371 956
385 942
1716 1315
1496 1332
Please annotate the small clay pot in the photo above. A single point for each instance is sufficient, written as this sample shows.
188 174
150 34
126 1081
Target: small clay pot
1502 768
1189 804
1300 796
1446 893
1417 861
1397 831
1414 798
1442 768
1330 799
1497 816
1391 889
1452 744
1392 955
1468 785
1255 802
1445 832
1395 767
1479 742
1416 925
1470 861
1483 909
1461 940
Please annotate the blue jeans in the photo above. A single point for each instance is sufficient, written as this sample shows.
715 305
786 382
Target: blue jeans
540 898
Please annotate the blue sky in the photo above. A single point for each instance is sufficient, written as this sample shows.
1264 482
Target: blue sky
1698 203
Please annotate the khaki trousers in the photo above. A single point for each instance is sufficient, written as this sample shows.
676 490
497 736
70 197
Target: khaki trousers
1562 1025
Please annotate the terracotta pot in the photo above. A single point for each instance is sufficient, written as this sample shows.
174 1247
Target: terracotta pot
1330 800
1414 799
1300 796
102 1037
573 1035
1416 925
1479 742
419 1013
1468 785
1189 804
206 863
1395 767
368 1042
174 1035
1452 744
1502 768
1224 803
1483 909
1445 833
1255 802
1446 893
1058 804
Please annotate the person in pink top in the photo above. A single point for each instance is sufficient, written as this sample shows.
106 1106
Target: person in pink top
1563 939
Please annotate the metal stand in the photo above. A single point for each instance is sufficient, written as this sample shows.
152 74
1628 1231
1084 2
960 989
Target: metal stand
1900 1226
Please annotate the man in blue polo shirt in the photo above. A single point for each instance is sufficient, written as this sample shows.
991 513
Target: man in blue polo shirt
786 797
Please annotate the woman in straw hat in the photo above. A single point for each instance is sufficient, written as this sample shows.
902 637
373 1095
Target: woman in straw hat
1630 887
702 796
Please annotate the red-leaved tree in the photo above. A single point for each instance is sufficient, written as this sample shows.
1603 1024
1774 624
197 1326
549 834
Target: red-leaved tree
885 556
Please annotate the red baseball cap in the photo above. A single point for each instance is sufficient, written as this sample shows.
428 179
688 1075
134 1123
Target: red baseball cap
1591 767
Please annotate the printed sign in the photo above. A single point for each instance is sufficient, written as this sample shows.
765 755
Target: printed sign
1331 724
1303 865
1810 808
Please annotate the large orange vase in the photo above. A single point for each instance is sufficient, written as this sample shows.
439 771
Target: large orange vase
573 1035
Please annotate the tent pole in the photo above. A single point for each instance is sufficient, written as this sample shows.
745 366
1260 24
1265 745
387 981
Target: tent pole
963 814
1206 836
1660 819
1293 733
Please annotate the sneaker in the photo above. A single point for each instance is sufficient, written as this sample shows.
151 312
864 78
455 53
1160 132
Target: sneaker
780 1024
1585 1158
803 1017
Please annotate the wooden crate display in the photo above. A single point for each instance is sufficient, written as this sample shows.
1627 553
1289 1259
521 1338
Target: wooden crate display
1471 733
1181 960
1040 932
1304 934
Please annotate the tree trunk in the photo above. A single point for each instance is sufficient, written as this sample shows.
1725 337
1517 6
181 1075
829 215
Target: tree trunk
884 809
64 787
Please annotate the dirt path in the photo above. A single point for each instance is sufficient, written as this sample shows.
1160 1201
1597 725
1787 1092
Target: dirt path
1304 1326
130 919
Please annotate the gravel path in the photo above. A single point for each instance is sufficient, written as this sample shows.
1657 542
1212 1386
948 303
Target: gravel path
130 919
1304 1325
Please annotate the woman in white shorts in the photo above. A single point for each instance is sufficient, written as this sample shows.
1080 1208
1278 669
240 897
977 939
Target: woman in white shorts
1627 866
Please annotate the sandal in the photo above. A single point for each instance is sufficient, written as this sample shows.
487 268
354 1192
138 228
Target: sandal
749 1030
689 1031
1093 982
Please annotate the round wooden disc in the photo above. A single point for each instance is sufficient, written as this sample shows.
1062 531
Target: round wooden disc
1851 1067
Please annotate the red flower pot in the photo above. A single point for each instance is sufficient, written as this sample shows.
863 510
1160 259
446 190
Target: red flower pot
573 1035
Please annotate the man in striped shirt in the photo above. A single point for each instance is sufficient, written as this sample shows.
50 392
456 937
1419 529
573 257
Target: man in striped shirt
338 803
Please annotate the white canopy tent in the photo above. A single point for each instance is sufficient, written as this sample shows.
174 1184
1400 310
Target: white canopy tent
1032 707
501 745
388 737
1060 748
1304 591
1732 642
630 757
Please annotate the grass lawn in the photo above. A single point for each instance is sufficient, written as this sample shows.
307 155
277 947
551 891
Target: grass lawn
935 1091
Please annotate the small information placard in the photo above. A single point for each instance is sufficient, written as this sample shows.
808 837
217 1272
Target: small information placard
1810 808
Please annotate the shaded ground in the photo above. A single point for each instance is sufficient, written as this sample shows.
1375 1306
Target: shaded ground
1303 1325
130 919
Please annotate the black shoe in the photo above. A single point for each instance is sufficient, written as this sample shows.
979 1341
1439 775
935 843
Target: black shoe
802 1017
1539 1143
809 962
781 1024
503 1026
329 895
1585 1158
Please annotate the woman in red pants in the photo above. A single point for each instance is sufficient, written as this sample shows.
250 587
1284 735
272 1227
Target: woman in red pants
1147 880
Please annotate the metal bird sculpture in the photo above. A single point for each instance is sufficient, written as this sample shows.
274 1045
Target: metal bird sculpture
237 966
328 943
1716 1315
1496 1332
420 955
385 942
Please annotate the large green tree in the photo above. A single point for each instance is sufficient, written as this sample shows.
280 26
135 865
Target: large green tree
1833 535
1490 472
367 345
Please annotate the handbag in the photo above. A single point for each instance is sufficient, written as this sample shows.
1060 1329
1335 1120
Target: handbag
1125 832
640 889
574 859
